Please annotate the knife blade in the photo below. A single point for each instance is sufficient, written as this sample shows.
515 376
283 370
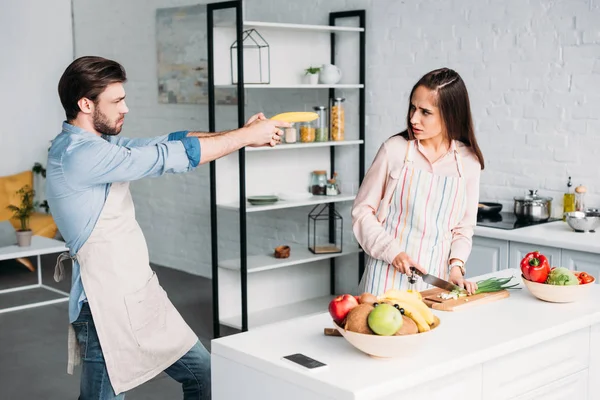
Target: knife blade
435 281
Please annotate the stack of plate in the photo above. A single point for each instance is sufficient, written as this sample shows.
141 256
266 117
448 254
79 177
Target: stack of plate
262 200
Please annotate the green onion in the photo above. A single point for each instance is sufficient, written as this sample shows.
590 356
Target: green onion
494 285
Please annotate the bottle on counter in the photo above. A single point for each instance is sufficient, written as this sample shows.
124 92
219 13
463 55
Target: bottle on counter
568 200
580 192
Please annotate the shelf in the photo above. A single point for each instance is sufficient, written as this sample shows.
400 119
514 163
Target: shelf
323 28
298 255
287 146
281 313
292 86
314 200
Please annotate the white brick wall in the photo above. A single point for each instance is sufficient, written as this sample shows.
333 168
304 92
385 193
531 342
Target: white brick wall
532 70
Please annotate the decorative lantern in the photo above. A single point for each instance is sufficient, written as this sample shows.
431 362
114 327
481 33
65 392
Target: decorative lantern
257 58
325 230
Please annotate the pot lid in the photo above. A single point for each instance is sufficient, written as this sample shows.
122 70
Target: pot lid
533 197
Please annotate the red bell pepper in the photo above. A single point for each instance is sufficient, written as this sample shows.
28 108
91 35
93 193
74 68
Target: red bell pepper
535 267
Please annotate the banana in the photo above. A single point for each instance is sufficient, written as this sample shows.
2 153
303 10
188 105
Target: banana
292 117
411 312
409 298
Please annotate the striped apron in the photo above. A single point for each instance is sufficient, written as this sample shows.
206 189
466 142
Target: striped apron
423 211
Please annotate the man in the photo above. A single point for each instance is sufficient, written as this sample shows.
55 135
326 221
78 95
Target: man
126 328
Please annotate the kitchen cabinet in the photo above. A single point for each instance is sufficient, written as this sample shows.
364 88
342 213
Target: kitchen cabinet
518 250
572 387
594 368
487 255
464 385
540 366
244 287
581 261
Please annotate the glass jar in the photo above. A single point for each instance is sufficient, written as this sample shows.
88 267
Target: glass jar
307 132
331 188
318 185
337 119
290 134
580 198
320 124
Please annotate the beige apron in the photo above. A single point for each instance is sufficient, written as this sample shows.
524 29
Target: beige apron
140 331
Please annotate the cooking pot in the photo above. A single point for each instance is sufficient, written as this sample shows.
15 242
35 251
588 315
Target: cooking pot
533 207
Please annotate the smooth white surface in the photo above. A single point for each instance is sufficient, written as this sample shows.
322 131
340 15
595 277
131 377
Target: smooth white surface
289 204
299 145
39 245
481 334
328 28
275 314
298 255
552 234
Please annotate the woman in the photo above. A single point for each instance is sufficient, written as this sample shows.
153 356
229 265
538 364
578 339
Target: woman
417 205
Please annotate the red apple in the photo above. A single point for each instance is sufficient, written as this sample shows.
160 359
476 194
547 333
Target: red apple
341 306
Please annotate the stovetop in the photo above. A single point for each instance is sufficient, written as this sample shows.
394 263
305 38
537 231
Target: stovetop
507 220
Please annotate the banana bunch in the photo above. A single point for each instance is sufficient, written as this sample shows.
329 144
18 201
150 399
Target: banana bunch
292 117
413 306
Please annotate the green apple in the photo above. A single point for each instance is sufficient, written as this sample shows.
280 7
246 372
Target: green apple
385 320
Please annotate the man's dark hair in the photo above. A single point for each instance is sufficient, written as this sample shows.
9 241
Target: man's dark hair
87 77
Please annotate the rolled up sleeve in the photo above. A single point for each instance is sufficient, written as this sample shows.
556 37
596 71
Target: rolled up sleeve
99 162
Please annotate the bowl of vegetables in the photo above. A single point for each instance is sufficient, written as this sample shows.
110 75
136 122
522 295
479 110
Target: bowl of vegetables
555 285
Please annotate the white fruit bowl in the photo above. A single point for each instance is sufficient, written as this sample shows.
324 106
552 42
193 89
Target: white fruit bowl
557 293
386 346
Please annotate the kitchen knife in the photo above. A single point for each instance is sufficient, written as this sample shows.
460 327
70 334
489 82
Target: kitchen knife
435 281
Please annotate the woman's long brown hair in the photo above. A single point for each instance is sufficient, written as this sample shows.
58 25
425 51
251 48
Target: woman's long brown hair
455 109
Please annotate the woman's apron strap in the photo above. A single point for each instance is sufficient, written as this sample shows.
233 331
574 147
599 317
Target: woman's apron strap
459 164
409 151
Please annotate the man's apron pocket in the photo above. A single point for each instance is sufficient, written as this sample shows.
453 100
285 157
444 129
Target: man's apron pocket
146 309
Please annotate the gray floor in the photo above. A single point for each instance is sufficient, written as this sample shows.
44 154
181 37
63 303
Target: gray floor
33 342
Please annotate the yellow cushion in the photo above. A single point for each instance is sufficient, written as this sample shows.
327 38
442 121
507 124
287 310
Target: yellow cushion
9 185
41 224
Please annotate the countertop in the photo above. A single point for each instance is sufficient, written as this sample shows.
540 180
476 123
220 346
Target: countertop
553 234
463 339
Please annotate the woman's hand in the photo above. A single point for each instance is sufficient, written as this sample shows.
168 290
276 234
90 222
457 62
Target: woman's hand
458 279
403 262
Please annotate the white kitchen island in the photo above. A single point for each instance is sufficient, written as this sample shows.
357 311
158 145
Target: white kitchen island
515 348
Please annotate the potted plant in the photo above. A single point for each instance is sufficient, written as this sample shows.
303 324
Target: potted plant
23 213
312 74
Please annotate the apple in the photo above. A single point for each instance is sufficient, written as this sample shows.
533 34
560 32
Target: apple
341 306
385 320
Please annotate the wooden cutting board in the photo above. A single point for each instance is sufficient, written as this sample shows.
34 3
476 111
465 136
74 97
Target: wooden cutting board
430 297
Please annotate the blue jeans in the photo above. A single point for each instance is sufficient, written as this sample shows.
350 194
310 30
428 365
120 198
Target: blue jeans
192 370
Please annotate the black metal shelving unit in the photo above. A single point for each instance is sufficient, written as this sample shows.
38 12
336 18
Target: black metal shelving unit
237 6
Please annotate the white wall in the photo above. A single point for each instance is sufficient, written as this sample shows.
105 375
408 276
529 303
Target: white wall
36 46
532 70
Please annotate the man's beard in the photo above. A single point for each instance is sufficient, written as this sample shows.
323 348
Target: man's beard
102 124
